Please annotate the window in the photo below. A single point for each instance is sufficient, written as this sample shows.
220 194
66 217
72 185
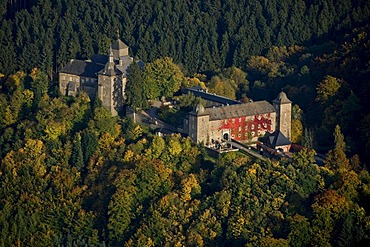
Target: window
259 126
240 128
232 136
252 127
225 121
240 119
246 127
233 120
239 135
253 133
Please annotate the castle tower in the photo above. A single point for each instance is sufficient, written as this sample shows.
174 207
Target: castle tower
119 48
110 86
283 107
199 124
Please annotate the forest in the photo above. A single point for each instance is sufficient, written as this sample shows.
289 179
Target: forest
72 175
201 35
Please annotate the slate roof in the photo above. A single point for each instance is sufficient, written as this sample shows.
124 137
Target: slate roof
277 139
281 99
98 58
110 70
126 62
237 110
82 68
211 97
118 44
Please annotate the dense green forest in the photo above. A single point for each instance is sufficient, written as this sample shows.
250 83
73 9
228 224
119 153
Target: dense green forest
202 35
72 175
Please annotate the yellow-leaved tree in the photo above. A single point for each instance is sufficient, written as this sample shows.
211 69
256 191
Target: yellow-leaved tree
327 89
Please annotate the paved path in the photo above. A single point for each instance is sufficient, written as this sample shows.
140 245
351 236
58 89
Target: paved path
247 150
150 119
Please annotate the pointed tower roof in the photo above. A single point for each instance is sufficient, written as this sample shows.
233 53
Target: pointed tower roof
120 49
110 54
281 99
110 67
118 44
278 139
199 108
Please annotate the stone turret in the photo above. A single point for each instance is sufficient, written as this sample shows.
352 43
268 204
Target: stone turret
283 107
110 85
199 124
110 65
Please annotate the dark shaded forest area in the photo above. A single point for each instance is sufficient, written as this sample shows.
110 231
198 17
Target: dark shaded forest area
72 175
200 35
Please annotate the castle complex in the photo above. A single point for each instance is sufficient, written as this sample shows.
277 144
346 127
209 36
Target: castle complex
103 76
220 119
244 122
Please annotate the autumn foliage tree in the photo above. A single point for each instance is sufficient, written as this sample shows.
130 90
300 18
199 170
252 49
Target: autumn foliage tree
327 88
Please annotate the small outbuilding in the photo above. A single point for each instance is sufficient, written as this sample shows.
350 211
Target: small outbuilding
277 141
